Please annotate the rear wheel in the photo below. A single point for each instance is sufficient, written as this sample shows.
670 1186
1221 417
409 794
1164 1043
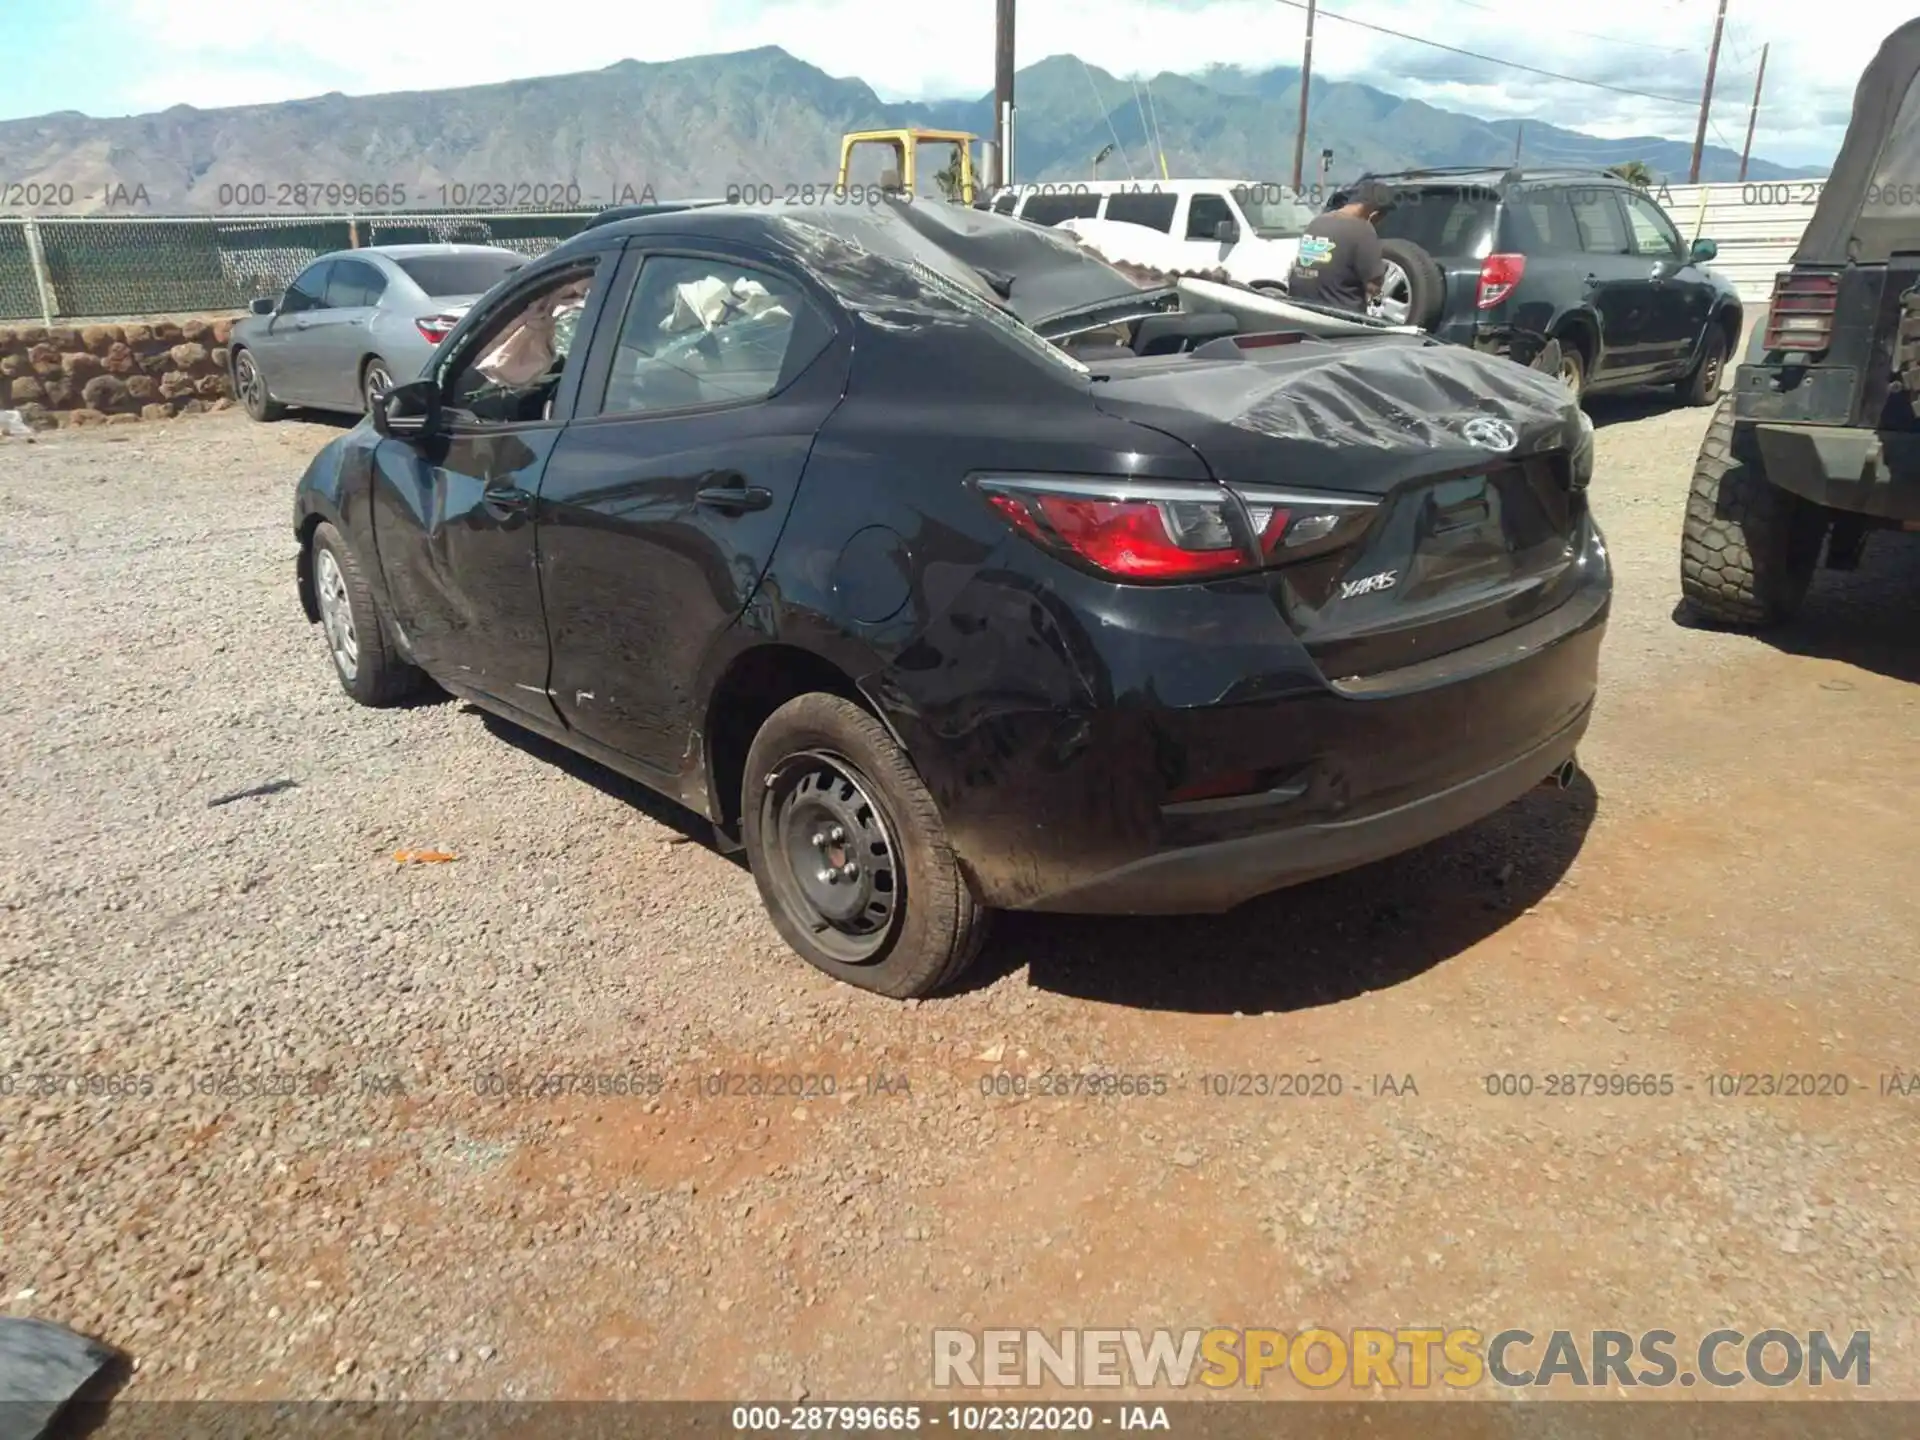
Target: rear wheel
374 381
370 669
850 855
1748 548
250 384
1573 366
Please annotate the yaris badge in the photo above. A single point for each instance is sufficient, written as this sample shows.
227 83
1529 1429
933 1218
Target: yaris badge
1490 434
1383 581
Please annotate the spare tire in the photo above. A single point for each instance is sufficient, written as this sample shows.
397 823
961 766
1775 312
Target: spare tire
1424 285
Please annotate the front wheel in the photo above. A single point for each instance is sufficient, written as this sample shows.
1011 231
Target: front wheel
370 669
250 385
850 855
1701 385
1748 548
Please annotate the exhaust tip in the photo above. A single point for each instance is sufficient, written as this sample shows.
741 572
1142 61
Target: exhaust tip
1564 775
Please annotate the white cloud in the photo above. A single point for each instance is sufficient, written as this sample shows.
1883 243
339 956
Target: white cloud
300 47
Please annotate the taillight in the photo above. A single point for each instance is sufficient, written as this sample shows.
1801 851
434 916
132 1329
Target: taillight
435 328
1170 530
1498 275
1127 529
1802 311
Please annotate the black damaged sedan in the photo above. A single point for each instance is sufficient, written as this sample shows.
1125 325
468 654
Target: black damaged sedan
946 570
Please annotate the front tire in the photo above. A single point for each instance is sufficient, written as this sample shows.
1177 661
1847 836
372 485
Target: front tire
850 855
1748 548
1701 385
369 668
250 385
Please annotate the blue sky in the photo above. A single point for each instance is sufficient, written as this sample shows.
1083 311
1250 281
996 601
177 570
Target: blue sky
137 56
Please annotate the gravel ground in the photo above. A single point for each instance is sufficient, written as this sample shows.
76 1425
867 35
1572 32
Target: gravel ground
262 1131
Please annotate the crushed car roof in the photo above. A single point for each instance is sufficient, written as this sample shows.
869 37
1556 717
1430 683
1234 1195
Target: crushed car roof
1028 270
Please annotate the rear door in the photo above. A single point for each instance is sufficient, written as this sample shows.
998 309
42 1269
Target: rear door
337 336
660 508
1619 285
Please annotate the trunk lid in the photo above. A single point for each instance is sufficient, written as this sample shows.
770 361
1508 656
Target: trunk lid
1458 479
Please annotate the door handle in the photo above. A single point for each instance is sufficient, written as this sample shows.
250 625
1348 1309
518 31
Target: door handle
728 490
512 501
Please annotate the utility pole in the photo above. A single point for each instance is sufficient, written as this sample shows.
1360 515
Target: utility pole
1306 83
1706 95
1519 134
1754 113
1003 92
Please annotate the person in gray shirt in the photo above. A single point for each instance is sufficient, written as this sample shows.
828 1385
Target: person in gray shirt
1339 263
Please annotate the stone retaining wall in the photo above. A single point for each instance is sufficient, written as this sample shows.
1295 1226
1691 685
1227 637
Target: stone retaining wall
114 374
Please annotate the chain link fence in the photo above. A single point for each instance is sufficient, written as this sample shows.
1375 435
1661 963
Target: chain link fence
104 267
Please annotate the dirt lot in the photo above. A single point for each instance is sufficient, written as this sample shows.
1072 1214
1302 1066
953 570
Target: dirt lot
1729 890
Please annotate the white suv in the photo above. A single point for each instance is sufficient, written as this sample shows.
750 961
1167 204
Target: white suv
1248 228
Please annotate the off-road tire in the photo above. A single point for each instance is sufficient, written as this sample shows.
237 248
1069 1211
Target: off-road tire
939 927
1748 548
1701 385
380 676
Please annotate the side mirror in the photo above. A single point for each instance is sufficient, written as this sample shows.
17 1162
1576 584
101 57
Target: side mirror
1703 251
1227 233
263 305
407 412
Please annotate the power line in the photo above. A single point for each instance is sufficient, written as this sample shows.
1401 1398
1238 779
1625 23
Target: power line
1590 35
1689 102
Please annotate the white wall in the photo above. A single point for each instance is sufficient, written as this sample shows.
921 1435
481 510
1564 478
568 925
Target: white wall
1757 225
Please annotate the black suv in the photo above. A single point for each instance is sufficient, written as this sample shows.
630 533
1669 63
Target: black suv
1818 442
1516 259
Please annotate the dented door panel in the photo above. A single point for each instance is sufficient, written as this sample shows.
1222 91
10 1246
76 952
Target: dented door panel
453 523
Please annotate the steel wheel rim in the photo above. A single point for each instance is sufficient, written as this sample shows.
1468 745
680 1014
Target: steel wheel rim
336 614
1570 370
252 387
1395 301
378 380
833 860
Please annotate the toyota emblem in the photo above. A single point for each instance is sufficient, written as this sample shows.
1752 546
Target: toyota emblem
1490 434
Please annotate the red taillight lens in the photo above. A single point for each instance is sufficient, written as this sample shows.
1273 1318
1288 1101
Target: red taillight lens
1129 530
435 328
1498 275
1801 314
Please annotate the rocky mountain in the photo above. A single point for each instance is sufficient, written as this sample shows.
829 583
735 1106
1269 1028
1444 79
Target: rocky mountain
700 125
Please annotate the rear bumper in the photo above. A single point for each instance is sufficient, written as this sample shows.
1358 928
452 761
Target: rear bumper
1063 790
1859 471
1216 877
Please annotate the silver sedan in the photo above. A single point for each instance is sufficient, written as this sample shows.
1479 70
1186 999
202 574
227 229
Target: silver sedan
356 322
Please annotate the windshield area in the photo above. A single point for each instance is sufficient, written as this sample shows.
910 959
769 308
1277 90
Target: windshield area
1274 211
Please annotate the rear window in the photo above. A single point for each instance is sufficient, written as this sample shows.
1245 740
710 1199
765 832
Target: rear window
459 274
1439 221
1540 222
1144 209
1051 209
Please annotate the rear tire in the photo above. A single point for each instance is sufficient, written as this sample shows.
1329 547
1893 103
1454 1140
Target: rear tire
1701 385
1426 282
1748 548
368 666
1573 366
897 917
